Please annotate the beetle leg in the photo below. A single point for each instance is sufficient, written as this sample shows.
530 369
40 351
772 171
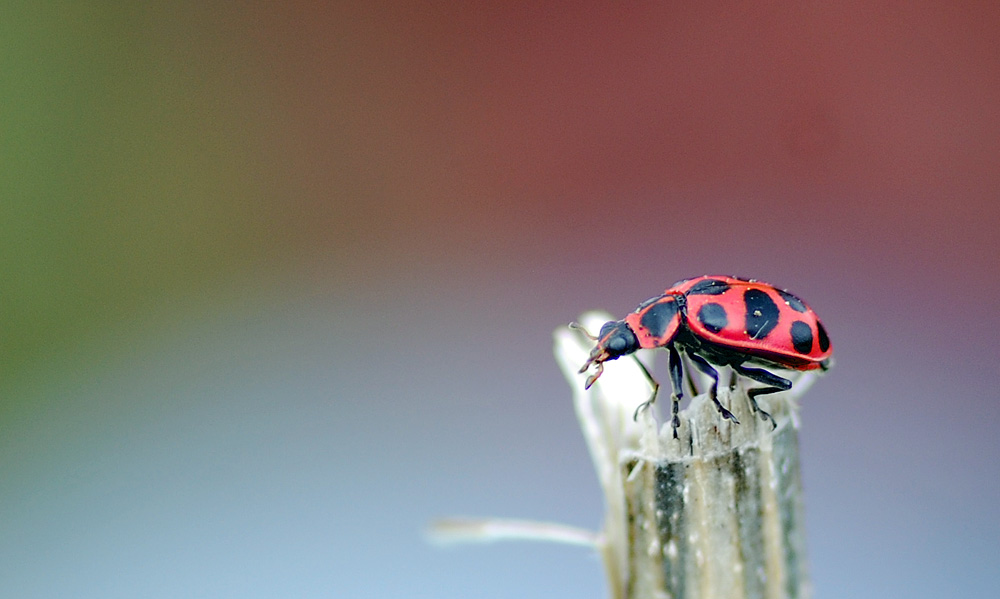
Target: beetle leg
774 384
690 378
677 381
703 365
653 382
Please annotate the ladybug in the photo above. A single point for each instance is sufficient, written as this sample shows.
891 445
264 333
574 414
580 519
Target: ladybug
745 324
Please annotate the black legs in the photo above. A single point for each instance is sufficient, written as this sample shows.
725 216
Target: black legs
677 380
703 365
774 384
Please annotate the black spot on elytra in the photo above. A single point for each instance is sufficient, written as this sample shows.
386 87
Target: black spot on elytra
649 302
824 341
802 337
762 313
657 318
713 317
793 302
709 287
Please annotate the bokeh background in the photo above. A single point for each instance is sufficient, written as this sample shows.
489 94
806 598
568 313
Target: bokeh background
278 280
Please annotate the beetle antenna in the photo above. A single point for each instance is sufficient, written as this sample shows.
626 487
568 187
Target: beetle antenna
580 327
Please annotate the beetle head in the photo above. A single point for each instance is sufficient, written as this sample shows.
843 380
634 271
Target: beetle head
615 340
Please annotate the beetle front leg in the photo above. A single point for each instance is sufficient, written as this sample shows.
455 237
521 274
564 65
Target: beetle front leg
677 380
653 382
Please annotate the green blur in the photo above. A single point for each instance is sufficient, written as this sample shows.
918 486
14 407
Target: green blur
130 153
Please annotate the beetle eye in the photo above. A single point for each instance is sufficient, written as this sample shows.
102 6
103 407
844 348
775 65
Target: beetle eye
618 339
617 344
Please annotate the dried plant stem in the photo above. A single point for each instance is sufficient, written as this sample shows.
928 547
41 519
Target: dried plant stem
716 513
717 524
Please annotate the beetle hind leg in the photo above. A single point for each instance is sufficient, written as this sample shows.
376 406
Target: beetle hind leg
774 384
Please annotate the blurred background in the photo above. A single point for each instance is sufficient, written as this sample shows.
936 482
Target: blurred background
278 280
